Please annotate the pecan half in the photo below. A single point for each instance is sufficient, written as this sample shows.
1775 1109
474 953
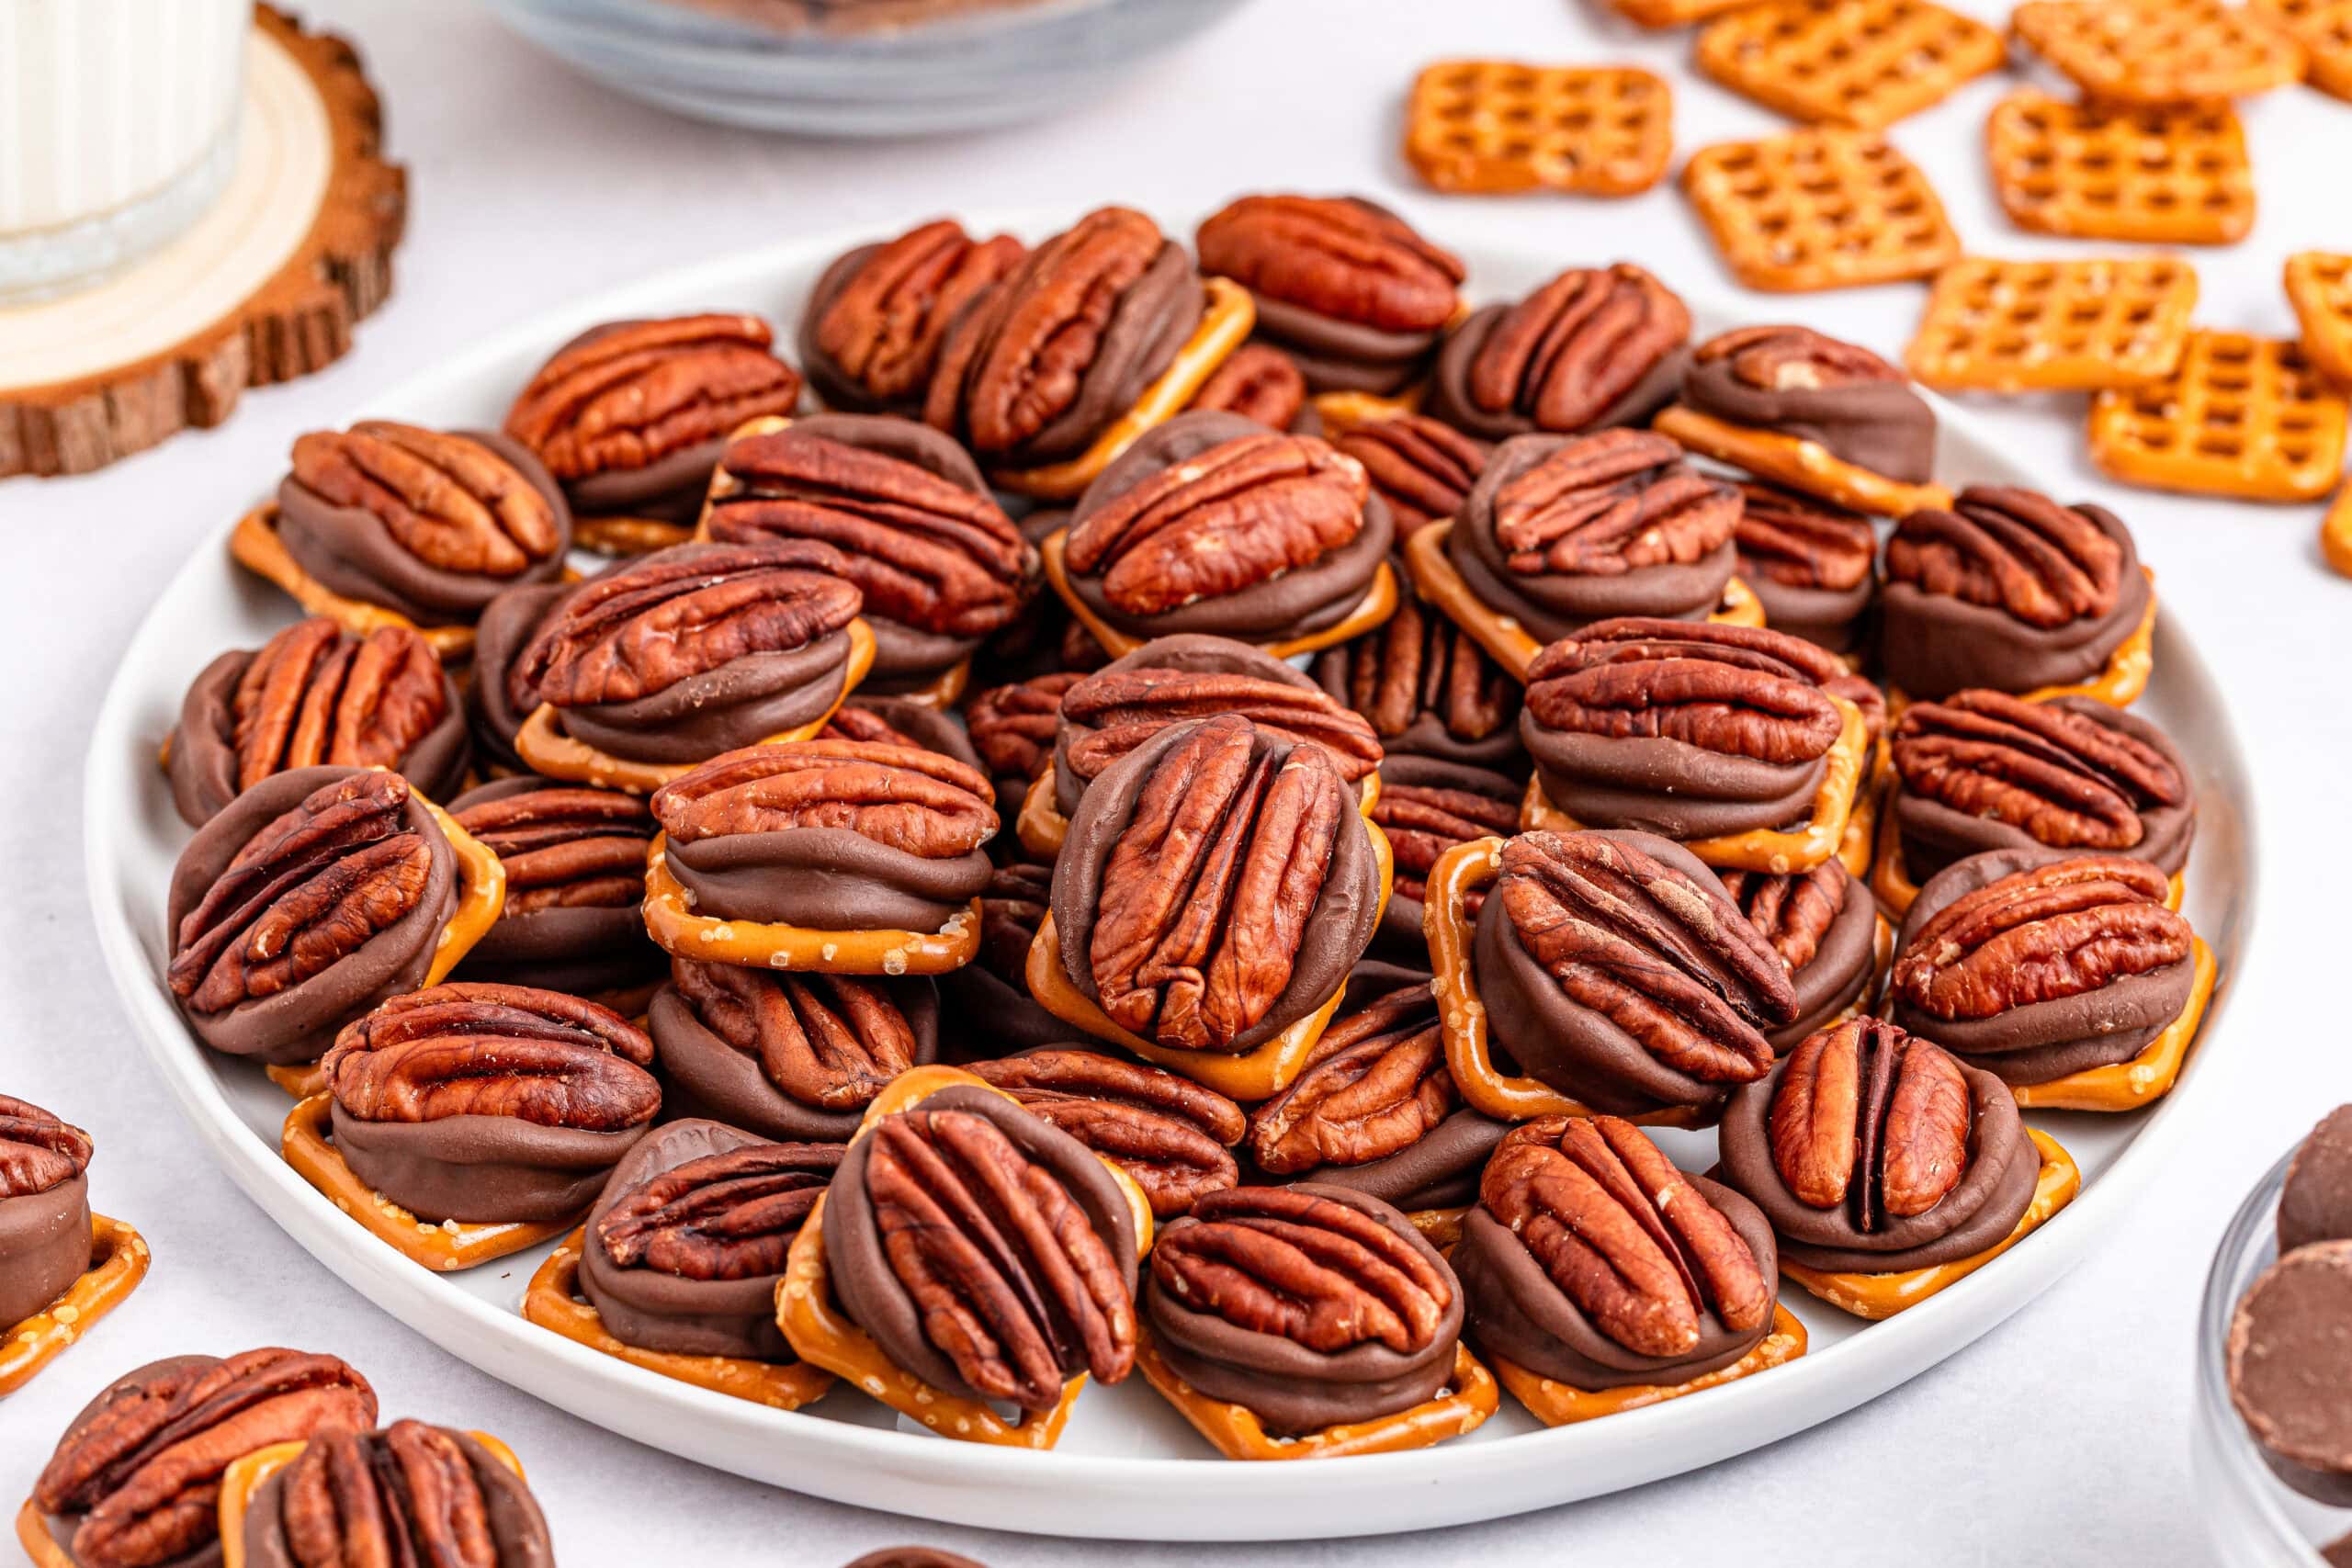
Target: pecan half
1612 503
829 1040
406 1495
1668 960
1423 821
566 847
143 1465
1012 725
1867 1117
727 1216
1571 351
1257 381
1793 911
1737 691
39 1152
924 550
1334 256
1324 1275
1014 1286
628 395
447 499
1167 1132
306 891
314 693
1374 1095
1785 358
1422 468
2013 551
1623 1233
1241 513
913 800
678 612
2062 930
475 1049
1014 364
1794 539
1420 663
883 326
1207 893
2064 779
1114 711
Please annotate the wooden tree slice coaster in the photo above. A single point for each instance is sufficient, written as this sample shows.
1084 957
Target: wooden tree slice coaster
263 288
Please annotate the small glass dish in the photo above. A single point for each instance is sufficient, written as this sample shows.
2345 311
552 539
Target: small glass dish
2254 1519
965 70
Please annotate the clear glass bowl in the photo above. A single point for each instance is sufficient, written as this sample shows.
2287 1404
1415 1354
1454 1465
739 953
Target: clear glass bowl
2254 1519
965 72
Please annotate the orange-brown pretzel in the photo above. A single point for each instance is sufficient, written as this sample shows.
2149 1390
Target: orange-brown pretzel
551 753
621 535
253 543
554 1303
1876 1296
1779 850
1342 412
1234 1430
1557 1404
1379 603
445 1248
245 1477
1226 317
2335 532
1798 463
1462 1017
771 944
1861 822
2128 1085
118 1259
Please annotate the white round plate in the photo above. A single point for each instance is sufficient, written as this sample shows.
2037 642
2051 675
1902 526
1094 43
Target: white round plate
1128 1466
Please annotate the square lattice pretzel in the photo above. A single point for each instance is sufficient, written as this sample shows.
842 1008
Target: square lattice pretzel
2324 29
2242 416
1492 126
2067 326
2176 176
1861 63
2319 286
2160 51
1823 208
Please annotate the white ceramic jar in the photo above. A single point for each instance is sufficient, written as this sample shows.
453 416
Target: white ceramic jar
118 128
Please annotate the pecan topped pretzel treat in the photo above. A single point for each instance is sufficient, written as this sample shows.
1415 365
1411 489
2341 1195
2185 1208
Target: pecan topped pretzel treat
1809 563
574 857
1592 348
317 695
1809 412
1983 771
482 1105
1100 334
1216 885
871 334
1308 1317
2066 977
1421 468
939 564
1212 523
314 896
132 1482
1600 1278
1260 382
1170 1134
630 416
388 524
1888 1167
846 857
1562 531
2009 591
44 1209
406 1493
1722 737
1826 929
1428 690
1345 286
796 1058
968 1256
669 659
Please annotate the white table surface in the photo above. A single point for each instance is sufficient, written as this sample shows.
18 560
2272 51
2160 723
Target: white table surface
2060 1438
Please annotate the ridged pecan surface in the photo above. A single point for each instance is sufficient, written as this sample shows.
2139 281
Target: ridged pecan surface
314 693
634 393
724 1216
1737 691
1296 1265
1867 1117
2013 551
1335 256
407 1495
1257 381
475 1049
447 499
2062 929
1171 1134
37 1150
1793 910
1787 359
1420 663
884 327
919 802
2063 779
1611 502
829 1040
1422 468
1121 709
1800 542
1569 352
1372 1095
565 847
